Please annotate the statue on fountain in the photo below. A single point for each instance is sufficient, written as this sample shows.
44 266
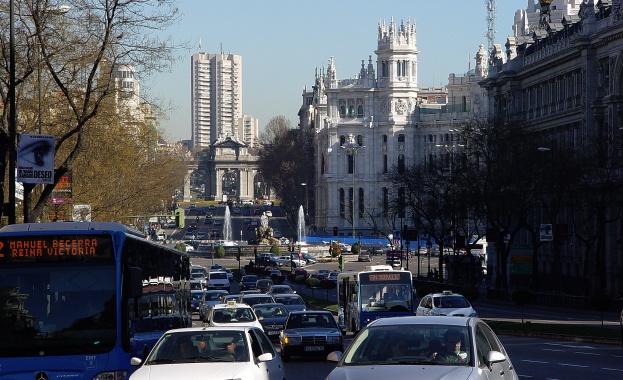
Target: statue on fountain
264 233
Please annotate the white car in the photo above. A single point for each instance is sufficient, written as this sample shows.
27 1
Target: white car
232 314
445 304
292 260
215 353
424 348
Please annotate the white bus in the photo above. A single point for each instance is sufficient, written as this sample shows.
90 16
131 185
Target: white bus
378 292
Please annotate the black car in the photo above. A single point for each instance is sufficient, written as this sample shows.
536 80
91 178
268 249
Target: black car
195 300
275 275
248 282
298 272
272 316
263 285
310 333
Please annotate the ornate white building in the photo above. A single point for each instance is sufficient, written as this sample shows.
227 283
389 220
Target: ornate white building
378 120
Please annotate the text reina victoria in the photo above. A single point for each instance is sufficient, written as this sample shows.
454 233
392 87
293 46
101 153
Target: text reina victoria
71 247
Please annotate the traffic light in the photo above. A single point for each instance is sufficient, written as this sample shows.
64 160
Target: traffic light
292 248
341 262
334 231
238 254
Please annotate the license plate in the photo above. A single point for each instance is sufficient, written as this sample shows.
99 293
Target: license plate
314 348
273 333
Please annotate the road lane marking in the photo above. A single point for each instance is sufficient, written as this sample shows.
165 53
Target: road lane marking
568 345
613 369
574 365
535 361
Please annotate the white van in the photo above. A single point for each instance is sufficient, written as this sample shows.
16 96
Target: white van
218 280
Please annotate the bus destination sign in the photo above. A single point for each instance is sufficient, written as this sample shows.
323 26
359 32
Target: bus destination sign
374 277
54 247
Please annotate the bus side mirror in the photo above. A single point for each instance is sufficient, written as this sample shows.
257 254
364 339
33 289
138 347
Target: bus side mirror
133 282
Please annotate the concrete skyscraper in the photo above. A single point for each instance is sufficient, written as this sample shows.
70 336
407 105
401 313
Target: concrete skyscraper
216 95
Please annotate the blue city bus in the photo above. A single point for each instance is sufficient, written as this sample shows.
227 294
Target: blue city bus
378 292
78 300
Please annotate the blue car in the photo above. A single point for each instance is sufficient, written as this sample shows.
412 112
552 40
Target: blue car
248 282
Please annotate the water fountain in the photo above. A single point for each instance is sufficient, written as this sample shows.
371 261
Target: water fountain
227 233
300 226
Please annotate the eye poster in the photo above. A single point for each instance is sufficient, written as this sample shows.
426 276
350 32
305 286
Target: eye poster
35 159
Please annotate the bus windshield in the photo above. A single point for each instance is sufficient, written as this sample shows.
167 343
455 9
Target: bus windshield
386 297
57 309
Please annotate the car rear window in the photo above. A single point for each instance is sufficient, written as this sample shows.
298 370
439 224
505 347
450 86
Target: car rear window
218 276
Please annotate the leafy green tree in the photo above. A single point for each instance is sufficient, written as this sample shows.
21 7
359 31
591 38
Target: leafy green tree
220 251
275 249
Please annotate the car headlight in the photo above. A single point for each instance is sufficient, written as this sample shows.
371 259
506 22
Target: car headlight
292 340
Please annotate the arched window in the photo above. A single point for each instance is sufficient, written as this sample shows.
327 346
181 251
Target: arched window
342 204
342 111
351 110
401 163
360 111
384 69
401 138
384 139
342 140
360 140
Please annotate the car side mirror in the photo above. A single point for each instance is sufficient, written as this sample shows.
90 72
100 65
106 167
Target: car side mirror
494 357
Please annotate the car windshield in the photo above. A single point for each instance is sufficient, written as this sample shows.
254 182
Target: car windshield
199 347
290 300
312 320
270 311
415 344
450 302
233 315
213 296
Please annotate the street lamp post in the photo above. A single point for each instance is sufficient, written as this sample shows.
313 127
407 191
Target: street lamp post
12 116
352 148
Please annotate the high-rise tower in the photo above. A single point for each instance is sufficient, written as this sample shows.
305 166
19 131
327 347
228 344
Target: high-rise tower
216 96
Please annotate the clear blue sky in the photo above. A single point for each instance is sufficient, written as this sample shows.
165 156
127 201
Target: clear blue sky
282 42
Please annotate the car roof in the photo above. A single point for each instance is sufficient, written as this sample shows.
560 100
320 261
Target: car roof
291 295
215 328
217 291
424 320
232 306
272 304
255 295
307 312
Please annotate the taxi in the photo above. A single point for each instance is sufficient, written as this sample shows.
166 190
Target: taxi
445 304
232 314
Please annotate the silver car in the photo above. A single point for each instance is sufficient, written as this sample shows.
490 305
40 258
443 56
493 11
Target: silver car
424 348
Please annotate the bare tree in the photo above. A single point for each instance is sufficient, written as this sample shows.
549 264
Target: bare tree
75 55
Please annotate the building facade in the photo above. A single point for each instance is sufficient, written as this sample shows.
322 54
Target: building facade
216 97
378 120
563 82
